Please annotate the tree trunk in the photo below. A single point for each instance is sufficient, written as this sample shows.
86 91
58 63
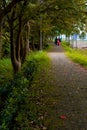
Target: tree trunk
41 39
15 63
0 39
27 37
18 42
4 12
26 45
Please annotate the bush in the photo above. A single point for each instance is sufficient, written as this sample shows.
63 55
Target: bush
78 56
15 100
6 50
6 44
35 62
5 80
20 108
47 46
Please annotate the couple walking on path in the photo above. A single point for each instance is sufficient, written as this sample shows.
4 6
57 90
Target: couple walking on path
57 41
67 105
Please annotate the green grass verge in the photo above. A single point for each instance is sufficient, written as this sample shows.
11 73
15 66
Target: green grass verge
77 55
5 70
22 98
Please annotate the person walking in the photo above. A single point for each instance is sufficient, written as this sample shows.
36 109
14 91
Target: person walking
58 41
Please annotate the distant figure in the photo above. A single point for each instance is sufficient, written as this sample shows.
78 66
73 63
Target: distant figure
58 41
61 39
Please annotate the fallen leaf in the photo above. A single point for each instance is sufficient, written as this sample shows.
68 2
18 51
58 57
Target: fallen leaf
63 117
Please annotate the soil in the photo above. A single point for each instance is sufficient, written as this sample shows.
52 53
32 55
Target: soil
66 97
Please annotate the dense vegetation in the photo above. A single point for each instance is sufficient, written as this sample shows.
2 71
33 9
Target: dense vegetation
26 26
19 98
77 55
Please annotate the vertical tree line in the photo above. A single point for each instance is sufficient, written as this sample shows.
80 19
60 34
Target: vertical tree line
31 22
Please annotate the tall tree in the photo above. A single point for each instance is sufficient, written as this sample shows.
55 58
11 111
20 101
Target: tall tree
18 24
65 15
38 18
5 8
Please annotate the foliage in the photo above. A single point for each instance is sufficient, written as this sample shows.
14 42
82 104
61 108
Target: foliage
33 64
5 70
47 46
66 46
82 35
14 101
6 45
79 56
44 18
20 104
52 16
6 76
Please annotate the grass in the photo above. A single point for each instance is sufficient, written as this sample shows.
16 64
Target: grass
37 93
5 70
40 56
83 51
5 64
77 55
23 106
47 47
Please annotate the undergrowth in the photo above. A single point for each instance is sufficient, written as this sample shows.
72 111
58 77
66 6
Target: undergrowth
5 70
77 55
21 97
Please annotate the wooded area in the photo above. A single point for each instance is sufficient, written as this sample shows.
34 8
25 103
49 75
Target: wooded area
30 80
27 24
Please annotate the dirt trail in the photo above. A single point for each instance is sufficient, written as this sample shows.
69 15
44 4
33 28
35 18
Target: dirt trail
67 100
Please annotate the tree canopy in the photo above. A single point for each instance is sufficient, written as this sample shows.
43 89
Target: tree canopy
31 22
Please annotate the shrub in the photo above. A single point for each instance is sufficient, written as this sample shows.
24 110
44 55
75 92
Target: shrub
5 80
6 44
20 100
78 56
14 102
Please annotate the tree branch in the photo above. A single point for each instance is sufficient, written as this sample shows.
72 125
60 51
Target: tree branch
8 8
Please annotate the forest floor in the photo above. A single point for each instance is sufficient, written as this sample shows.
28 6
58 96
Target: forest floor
66 96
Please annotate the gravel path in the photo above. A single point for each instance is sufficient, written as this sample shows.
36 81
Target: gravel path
67 107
